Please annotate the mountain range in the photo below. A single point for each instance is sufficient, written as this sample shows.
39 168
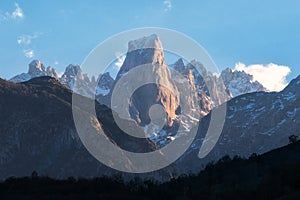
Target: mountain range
234 83
37 130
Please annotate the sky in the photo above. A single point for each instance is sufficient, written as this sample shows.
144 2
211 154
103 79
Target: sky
259 37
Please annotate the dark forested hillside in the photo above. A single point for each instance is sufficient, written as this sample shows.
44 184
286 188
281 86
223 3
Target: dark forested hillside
274 175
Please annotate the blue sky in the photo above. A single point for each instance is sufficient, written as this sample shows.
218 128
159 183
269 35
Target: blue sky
59 33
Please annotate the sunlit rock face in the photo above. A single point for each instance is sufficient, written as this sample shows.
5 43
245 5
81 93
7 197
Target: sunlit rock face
147 53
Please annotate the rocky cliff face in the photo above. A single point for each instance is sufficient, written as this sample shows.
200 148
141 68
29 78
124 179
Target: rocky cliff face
205 82
142 51
147 53
200 99
77 81
105 84
219 88
36 69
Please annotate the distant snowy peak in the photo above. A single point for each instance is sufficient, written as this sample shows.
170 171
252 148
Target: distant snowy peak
221 88
105 83
36 69
179 65
195 65
239 82
71 74
204 81
73 70
77 81
234 82
51 72
73 77
20 78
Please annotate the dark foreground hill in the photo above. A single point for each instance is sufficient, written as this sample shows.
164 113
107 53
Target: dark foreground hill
37 132
274 175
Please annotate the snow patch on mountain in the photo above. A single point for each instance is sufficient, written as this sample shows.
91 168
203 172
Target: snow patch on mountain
105 83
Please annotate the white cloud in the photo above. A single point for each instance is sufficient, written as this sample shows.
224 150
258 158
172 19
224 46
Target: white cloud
56 62
26 39
29 53
168 5
25 43
17 13
271 76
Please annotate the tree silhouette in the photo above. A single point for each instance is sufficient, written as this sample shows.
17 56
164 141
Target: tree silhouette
34 175
293 139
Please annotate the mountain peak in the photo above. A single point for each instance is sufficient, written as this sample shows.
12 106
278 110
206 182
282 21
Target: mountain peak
73 70
239 82
179 65
36 68
146 42
145 50
293 86
295 81
50 71
148 52
105 81
227 70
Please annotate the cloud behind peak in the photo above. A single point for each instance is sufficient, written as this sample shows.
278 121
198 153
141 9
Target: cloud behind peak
271 76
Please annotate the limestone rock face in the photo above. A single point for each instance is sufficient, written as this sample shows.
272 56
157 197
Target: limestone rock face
105 83
36 69
208 83
77 81
142 51
199 99
147 54
51 72
72 73
220 88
